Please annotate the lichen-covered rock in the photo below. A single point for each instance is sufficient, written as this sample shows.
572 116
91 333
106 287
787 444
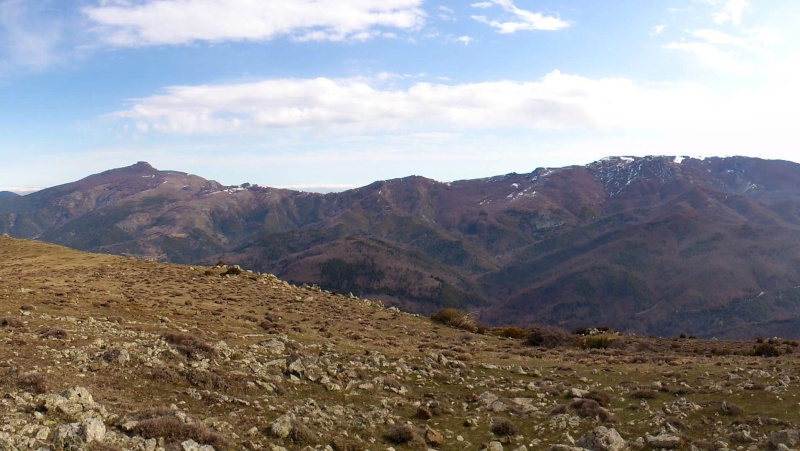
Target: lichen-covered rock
785 437
663 440
75 436
282 427
602 439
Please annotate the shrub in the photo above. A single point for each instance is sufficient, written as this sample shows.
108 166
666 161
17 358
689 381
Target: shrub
33 382
644 394
548 336
767 350
676 423
584 408
300 433
11 322
510 332
344 444
188 345
401 434
163 423
233 271
596 342
503 427
601 397
589 408
53 332
455 318
730 409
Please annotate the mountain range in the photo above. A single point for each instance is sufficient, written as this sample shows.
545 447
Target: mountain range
654 245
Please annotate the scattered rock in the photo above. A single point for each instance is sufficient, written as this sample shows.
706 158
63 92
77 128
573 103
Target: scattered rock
602 439
663 440
788 437
433 438
282 427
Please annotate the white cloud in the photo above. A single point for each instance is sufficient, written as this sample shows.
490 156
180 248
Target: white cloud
555 102
521 20
752 39
446 14
657 30
466 40
728 52
713 56
732 12
157 22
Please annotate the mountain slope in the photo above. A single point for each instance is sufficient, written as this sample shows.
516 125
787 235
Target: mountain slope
104 352
656 245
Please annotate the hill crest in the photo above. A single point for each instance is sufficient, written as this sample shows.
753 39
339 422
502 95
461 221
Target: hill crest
656 245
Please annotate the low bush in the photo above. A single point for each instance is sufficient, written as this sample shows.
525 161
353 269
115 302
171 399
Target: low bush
402 434
33 382
232 271
589 408
510 332
456 318
766 350
644 393
601 397
503 427
730 409
53 332
162 423
300 433
345 444
12 323
188 345
596 342
548 336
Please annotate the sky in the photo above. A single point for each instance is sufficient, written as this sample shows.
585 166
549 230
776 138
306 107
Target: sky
323 95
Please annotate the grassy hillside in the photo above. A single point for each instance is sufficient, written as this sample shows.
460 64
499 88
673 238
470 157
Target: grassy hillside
109 353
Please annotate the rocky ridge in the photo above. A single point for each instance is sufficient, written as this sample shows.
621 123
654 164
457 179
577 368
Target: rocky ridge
107 353
655 245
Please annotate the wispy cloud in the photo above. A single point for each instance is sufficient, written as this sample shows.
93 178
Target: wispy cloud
732 11
557 101
734 50
657 30
168 22
713 56
30 40
518 19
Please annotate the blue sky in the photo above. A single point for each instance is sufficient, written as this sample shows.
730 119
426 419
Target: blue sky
333 94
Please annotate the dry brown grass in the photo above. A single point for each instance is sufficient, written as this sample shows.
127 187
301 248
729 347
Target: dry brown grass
403 434
12 323
188 345
503 427
33 382
456 318
162 423
548 337
148 300
53 332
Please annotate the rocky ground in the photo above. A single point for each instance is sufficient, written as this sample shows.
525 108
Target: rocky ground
106 353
